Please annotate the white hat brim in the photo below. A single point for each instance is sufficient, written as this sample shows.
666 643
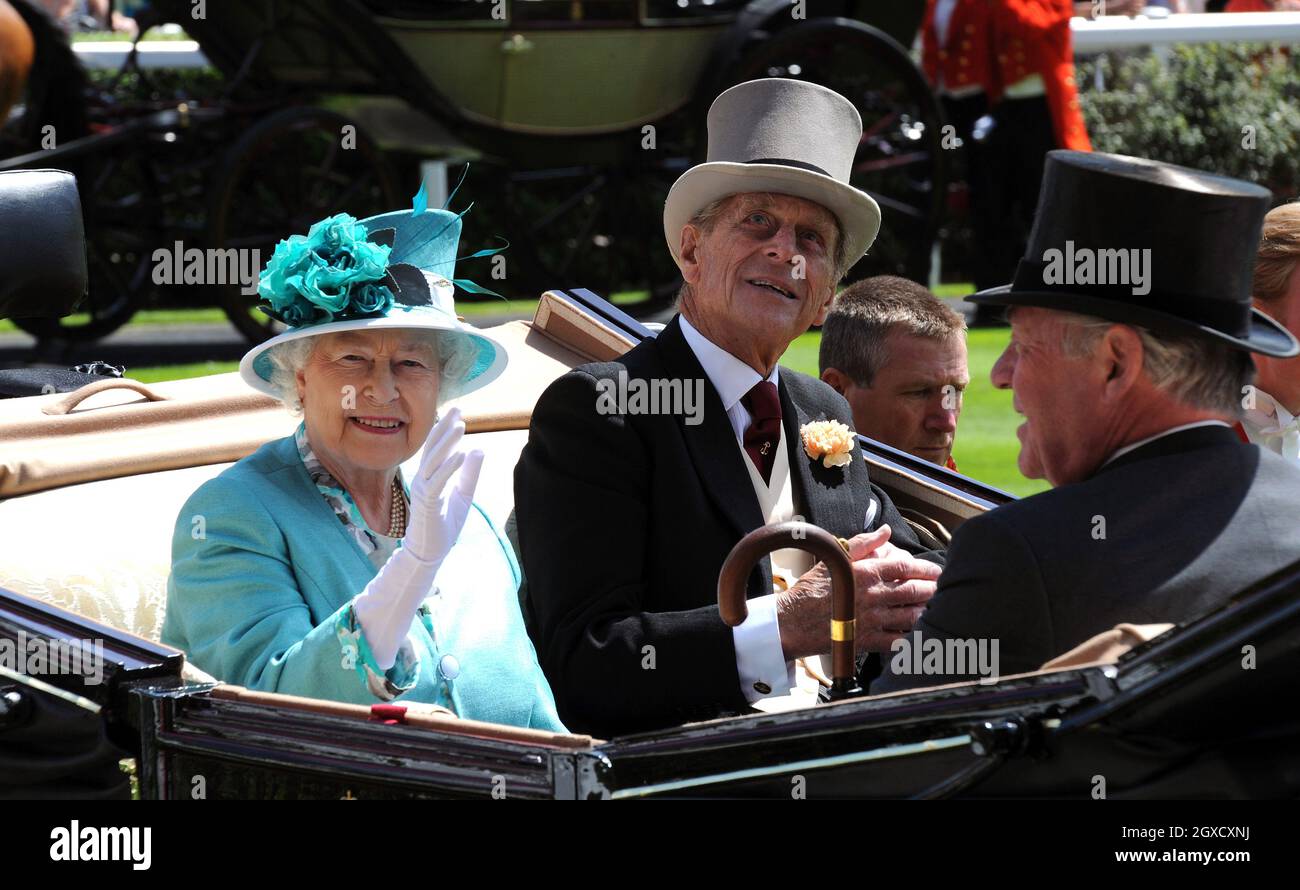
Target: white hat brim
490 359
858 213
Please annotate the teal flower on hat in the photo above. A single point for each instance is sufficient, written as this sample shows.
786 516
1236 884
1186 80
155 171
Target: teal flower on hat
332 272
391 270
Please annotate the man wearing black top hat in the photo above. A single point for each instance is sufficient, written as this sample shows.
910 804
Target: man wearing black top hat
1132 330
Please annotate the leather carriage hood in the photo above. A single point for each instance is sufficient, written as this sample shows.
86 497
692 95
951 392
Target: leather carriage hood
43 248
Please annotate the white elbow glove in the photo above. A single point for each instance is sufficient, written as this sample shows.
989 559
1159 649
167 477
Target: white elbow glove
441 494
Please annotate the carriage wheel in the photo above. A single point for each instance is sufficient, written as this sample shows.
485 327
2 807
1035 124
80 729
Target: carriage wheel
122 191
899 161
117 190
594 224
285 173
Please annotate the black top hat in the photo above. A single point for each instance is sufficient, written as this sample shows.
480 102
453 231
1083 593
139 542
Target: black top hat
1146 243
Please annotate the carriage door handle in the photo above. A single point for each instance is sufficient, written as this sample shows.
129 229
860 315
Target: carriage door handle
518 43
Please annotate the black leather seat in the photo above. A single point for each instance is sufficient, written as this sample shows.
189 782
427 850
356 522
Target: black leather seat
43 246
42 265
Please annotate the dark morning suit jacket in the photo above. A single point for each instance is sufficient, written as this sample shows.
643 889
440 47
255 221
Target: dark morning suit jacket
1190 520
624 522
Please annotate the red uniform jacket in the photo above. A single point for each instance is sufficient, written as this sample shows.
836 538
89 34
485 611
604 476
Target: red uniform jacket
998 42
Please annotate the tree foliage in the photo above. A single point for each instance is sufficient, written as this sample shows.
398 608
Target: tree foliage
1232 109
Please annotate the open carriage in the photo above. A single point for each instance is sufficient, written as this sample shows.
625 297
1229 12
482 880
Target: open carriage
91 482
577 116
1175 716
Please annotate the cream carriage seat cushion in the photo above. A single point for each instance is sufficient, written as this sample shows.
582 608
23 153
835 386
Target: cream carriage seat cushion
1107 646
103 549
100 549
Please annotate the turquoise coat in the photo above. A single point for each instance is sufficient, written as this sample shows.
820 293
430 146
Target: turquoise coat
261 588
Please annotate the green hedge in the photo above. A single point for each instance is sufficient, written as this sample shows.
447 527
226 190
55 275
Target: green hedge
1190 105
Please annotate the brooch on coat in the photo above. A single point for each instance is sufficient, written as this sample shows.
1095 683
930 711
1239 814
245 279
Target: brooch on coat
829 441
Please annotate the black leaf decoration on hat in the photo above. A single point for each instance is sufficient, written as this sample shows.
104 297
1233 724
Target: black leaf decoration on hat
409 285
385 237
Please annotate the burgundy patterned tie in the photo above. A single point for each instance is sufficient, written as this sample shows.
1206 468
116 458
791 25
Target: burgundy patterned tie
764 430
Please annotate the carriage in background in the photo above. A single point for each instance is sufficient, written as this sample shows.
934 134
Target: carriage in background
577 116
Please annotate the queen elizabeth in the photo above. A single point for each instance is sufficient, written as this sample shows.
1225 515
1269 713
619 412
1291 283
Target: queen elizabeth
310 567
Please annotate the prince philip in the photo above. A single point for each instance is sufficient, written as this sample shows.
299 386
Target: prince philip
625 519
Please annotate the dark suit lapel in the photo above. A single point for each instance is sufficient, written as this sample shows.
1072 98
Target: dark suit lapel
712 442
827 496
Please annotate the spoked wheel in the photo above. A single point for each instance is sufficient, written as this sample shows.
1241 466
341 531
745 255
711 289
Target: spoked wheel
285 173
899 161
594 225
119 249
118 190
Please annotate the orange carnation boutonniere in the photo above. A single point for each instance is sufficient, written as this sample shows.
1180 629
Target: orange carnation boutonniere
829 441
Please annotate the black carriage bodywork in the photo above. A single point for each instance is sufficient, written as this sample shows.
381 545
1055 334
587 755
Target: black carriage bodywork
1200 712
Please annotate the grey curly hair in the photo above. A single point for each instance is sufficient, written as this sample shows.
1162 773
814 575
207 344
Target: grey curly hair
454 353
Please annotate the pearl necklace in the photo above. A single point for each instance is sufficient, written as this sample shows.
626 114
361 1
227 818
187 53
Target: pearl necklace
397 514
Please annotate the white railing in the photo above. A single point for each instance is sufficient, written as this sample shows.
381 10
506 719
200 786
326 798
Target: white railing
1107 32
153 53
1121 32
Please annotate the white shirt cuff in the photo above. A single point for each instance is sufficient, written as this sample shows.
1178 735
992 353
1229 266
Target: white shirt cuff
760 660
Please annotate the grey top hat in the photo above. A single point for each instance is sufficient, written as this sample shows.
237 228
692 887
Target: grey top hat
784 136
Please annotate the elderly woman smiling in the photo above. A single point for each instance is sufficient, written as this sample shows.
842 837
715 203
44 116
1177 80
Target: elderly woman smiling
308 567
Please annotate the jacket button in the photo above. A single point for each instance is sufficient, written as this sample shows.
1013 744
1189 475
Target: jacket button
449 667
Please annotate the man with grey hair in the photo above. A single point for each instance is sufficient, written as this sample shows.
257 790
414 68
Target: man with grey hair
897 354
1159 514
625 519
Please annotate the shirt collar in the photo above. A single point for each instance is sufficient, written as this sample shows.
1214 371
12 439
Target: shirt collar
1268 413
731 377
1133 446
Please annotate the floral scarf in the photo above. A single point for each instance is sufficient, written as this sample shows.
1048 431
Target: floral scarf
356 654
340 501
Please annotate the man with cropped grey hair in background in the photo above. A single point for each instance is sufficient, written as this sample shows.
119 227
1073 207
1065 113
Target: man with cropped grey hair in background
897 354
1158 513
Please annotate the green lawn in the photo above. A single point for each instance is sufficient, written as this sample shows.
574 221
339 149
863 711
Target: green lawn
216 316
986 442
986 446
180 372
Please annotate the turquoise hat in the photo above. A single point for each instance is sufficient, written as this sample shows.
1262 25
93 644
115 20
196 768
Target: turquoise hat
393 270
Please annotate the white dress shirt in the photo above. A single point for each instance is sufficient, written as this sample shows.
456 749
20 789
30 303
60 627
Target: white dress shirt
760 660
1169 432
1270 425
